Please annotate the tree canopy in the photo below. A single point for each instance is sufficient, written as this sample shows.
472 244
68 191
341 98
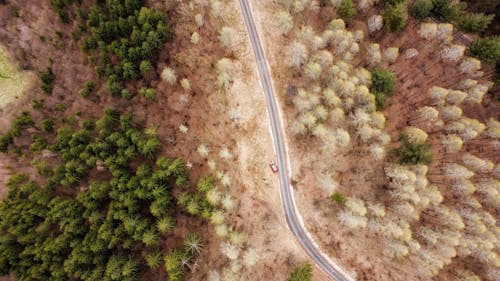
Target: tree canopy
452 12
486 49
413 153
395 16
382 81
301 273
76 228
382 85
122 38
421 9
475 23
346 10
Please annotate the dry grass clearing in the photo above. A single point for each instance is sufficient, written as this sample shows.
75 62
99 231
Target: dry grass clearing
13 82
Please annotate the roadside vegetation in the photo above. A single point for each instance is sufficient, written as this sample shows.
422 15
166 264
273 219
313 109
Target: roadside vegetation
301 273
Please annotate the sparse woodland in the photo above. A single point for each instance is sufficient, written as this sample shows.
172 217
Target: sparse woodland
406 167
301 273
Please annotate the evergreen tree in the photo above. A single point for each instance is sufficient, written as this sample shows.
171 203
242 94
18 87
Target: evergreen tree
486 49
445 11
475 23
421 9
301 273
97 234
346 10
395 16
382 81
413 153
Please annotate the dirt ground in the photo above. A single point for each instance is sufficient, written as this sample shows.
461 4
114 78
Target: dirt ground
235 118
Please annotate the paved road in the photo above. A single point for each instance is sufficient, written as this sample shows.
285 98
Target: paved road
291 213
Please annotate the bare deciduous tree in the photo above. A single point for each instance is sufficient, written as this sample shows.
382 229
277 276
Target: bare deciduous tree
306 35
477 164
195 38
168 75
438 95
203 150
313 70
250 257
336 24
217 9
455 97
297 54
228 36
444 31
451 113
453 53
185 84
428 30
343 137
456 171
470 65
198 19
476 93
373 54
284 21
375 23
415 135
391 54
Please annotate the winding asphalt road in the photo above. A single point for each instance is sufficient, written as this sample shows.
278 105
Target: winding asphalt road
292 215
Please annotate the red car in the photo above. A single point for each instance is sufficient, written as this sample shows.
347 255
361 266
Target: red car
273 166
